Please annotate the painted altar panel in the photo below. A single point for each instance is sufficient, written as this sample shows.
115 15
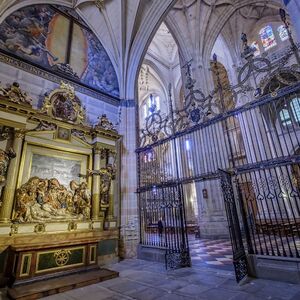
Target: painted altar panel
49 163
65 170
40 34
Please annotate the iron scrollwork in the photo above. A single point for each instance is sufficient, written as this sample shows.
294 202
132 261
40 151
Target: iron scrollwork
257 77
239 254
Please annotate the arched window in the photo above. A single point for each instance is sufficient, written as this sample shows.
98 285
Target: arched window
267 37
290 114
151 105
285 117
255 46
283 33
295 107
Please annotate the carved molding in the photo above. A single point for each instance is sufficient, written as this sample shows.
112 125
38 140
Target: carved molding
65 69
15 94
45 126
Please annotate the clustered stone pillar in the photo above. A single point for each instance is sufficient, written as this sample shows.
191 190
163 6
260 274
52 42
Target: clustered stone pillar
12 173
96 184
293 9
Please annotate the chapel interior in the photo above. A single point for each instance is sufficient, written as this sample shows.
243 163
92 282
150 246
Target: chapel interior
163 135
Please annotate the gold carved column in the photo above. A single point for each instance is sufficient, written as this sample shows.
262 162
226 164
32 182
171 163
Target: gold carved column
12 175
111 165
96 184
103 165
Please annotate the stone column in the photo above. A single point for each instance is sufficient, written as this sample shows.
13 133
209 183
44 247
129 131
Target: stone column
129 225
96 185
12 175
293 9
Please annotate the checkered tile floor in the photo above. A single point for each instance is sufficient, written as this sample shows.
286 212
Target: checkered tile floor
216 253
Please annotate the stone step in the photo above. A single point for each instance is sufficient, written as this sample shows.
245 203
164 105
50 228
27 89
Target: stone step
49 287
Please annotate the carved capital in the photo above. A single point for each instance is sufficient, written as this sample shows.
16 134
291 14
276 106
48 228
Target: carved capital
20 134
97 150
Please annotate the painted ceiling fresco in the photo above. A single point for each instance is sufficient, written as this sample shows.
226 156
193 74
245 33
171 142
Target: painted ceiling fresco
45 35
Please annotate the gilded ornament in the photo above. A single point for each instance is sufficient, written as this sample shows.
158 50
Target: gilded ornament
63 104
62 257
104 124
45 126
20 134
72 226
5 158
40 228
91 225
15 94
4 133
14 229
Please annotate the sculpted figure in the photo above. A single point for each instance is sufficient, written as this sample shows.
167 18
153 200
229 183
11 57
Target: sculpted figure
5 157
105 186
47 200
82 198
105 124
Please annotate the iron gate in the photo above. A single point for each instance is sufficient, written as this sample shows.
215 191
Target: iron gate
250 130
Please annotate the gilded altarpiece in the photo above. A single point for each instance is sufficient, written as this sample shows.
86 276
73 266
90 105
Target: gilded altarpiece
57 184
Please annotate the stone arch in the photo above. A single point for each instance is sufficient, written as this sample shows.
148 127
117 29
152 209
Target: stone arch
217 28
141 43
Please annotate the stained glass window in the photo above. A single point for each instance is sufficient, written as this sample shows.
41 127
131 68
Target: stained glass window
285 117
151 105
295 105
283 33
255 46
267 37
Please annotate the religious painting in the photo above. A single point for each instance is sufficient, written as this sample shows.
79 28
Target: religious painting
63 134
65 170
50 163
51 36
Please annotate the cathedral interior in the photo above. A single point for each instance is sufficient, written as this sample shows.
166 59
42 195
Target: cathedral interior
150 149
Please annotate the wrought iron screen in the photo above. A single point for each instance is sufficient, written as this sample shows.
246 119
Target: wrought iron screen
251 130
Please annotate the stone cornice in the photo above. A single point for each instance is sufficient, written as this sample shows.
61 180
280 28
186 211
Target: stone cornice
24 66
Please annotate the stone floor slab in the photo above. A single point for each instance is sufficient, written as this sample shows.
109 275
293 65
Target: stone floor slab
150 281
